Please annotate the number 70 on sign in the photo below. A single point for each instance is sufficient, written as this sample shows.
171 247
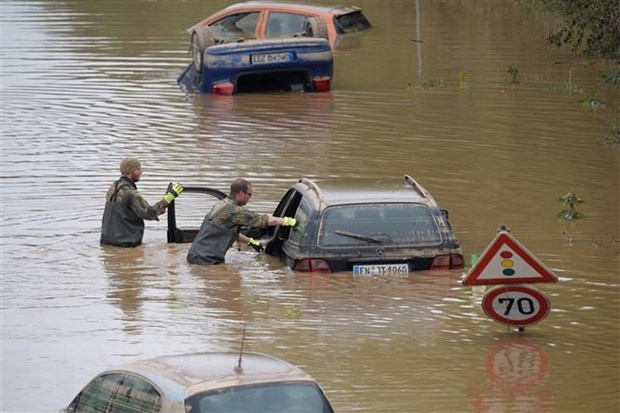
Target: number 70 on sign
517 306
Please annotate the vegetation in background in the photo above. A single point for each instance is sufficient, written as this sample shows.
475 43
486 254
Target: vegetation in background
463 79
570 202
514 73
590 27
613 78
592 102
426 84
613 139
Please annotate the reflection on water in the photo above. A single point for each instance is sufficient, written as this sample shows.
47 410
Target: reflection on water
517 369
426 92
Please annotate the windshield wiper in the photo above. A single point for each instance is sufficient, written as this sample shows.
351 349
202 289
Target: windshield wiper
358 236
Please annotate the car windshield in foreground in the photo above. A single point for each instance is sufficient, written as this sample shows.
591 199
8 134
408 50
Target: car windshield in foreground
388 224
352 22
269 398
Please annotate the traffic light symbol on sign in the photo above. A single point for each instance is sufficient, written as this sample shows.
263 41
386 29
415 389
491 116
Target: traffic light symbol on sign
506 261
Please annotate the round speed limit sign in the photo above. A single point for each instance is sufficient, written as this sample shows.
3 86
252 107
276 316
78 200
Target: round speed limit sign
515 305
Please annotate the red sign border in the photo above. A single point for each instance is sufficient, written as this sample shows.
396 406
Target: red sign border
504 238
487 305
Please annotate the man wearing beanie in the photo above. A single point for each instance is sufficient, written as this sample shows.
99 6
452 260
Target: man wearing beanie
125 209
220 227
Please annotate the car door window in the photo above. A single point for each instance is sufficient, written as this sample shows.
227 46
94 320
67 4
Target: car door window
352 22
96 396
284 24
301 230
135 395
236 26
288 207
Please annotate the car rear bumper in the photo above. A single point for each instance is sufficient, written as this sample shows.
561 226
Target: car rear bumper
312 58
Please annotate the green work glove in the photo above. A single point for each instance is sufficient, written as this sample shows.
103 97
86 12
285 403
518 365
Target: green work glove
289 222
173 191
256 245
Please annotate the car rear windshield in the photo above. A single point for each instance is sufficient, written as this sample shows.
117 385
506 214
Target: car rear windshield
271 397
386 224
352 22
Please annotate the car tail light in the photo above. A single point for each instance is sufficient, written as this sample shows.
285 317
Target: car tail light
225 88
312 265
456 262
322 83
447 262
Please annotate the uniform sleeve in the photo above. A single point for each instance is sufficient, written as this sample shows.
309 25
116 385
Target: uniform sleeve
141 207
249 218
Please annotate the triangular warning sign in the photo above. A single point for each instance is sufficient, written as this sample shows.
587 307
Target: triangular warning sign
505 261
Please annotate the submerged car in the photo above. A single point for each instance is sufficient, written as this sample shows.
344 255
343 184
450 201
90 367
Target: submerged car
268 46
292 65
369 228
267 20
218 382
389 228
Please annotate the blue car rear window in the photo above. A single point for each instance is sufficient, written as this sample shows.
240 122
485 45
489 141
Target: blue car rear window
352 22
388 224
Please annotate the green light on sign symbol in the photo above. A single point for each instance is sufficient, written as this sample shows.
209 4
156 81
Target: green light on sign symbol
507 263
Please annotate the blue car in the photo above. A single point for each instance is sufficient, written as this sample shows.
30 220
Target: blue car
284 64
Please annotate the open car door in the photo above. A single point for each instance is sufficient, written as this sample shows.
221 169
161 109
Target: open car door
177 235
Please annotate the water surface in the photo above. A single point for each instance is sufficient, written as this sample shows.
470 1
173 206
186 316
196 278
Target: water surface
426 92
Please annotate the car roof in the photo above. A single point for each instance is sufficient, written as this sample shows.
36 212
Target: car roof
359 191
215 370
335 10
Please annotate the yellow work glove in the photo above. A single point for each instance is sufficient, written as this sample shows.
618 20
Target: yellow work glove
289 222
173 191
256 245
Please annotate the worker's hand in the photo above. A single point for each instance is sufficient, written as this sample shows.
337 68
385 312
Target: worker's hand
256 245
289 222
173 191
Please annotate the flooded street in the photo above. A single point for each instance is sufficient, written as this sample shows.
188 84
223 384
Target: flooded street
464 96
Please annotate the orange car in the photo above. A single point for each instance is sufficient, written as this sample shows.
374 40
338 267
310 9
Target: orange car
263 20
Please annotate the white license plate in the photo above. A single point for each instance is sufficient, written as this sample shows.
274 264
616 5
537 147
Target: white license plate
381 269
270 58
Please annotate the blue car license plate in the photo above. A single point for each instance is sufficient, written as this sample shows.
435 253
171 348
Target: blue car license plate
270 58
381 269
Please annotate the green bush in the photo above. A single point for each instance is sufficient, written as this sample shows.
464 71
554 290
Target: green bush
590 27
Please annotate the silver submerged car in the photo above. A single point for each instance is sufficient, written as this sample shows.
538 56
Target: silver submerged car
369 228
216 382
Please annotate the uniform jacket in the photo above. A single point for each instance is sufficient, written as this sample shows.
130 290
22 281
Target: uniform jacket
124 214
219 231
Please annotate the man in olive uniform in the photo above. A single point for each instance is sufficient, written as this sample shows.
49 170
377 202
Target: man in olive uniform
220 228
125 209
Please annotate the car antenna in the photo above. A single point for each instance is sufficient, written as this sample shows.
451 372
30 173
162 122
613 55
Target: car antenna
239 369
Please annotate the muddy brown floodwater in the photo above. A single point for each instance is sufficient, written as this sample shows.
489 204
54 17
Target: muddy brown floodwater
464 96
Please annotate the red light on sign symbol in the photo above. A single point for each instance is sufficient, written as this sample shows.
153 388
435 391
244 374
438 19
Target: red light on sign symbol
507 263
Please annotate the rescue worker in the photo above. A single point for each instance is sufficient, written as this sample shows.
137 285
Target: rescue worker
220 227
125 209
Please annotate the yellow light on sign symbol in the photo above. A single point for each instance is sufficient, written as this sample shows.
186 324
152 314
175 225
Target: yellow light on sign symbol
507 263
